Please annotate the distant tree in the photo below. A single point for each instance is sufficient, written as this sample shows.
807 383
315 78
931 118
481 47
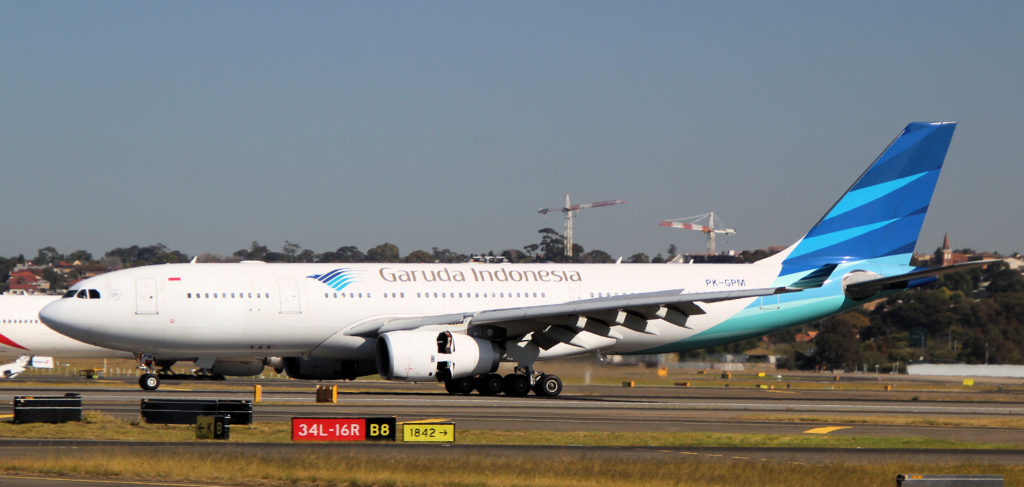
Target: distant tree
963 281
290 250
56 279
596 257
349 254
306 256
672 250
516 256
418 257
1006 280
47 256
640 258
79 255
658 259
551 246
254 252
385 252
837 345
447 256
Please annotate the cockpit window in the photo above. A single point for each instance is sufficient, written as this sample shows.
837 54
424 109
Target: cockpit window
70 294
82 294
94 294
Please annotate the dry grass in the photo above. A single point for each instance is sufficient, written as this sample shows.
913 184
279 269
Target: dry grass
438 466
98 426
1013 422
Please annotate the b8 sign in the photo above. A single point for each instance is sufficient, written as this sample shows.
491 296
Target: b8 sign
343 429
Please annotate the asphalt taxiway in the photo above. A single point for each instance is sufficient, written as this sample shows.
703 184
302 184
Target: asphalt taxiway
591 408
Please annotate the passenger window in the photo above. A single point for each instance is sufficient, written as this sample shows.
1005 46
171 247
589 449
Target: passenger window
188 296
207 295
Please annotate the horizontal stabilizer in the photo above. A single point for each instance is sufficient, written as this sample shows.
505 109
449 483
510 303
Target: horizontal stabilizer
874 286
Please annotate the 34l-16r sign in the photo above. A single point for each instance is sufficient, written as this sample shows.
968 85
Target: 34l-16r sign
343 429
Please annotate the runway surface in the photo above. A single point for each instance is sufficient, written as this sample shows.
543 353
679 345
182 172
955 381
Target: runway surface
588 408
579 408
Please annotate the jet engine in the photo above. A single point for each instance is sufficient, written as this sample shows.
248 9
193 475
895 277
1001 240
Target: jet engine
327 368
422 355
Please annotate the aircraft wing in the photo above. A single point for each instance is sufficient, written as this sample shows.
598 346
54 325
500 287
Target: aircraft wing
559 323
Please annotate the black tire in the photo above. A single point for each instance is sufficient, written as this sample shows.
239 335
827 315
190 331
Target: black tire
149 382
489 384
463 386
548 386
516 385
449 385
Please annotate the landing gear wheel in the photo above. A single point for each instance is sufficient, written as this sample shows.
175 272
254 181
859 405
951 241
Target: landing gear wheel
516 385
548 386
489 384
462 386
149 382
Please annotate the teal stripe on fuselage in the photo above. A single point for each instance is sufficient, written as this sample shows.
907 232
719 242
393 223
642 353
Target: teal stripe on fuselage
756 320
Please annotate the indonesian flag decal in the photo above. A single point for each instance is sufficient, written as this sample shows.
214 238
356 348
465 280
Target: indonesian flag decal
173 278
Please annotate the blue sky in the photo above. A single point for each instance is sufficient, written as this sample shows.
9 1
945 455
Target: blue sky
207 125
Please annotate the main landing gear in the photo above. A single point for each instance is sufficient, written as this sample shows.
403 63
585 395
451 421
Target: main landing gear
518 384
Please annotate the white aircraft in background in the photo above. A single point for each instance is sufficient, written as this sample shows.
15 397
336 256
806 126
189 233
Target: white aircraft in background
35 344
455 322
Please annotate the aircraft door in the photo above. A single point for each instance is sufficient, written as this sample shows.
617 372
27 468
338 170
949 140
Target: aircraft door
289 292
145 296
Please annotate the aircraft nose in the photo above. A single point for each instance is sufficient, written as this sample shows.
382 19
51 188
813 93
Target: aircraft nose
57 316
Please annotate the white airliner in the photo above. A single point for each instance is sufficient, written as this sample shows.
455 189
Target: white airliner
455 322
24 336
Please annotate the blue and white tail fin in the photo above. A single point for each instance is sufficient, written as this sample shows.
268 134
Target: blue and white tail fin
879 218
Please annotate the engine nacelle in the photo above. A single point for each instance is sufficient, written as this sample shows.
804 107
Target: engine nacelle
237 368
327 368
421 355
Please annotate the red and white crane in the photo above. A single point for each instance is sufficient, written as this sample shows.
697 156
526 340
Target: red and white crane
570 210
695 223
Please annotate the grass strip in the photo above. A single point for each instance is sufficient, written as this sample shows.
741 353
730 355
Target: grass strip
439 466
904 420
99 426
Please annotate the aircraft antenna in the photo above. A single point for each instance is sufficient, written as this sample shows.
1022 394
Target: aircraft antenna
570 210
696 223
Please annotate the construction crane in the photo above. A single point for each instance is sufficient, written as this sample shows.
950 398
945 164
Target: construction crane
695 223
569 211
